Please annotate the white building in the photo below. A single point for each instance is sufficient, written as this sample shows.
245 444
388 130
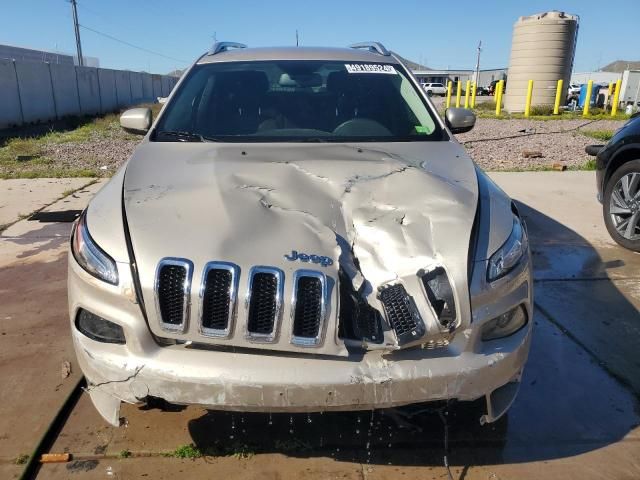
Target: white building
32 55
443 76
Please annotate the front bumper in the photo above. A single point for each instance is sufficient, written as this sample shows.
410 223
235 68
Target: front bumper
254 380
257 382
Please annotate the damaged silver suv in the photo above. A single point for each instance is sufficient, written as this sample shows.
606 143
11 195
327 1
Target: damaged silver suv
299 231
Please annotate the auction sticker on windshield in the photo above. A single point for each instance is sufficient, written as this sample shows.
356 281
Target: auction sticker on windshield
369 68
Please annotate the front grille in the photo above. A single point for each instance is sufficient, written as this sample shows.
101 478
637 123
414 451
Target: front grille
173 281
264 303
440 294
309 308
402 313
218 298
368 324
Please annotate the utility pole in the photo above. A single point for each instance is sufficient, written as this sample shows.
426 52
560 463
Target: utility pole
74 7
297 43
477 75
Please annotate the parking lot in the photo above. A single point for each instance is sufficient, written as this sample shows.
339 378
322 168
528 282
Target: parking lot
576 415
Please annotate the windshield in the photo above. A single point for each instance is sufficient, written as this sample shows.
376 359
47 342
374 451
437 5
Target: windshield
297 101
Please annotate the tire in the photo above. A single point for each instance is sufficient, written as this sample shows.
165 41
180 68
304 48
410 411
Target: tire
622 195
429 93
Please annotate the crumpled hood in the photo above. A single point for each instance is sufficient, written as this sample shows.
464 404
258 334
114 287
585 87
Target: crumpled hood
382 212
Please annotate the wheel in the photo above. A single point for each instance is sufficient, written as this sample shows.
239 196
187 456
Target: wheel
429 93
621 205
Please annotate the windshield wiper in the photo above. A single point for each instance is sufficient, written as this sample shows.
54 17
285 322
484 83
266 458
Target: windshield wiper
179 136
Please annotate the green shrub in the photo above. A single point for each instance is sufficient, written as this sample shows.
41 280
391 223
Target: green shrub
187 451
486 106
604 135
541 110
124 453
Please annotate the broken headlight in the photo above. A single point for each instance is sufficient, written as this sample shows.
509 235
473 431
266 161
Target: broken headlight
90 256
505 325
509 254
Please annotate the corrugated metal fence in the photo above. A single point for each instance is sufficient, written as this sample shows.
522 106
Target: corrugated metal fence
37 92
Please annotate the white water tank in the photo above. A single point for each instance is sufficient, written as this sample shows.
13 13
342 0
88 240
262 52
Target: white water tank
542 50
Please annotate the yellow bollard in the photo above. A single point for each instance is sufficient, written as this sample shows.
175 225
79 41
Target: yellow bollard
467 92
458 93
473 95
527 105
616 99
499 88
587 101
449 88
556 106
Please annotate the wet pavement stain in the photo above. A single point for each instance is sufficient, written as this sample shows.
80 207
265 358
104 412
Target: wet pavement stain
79 466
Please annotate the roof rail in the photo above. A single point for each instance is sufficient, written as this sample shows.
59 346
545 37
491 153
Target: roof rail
375 47
224 46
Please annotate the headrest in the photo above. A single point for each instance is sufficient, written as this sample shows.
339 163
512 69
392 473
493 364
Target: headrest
304 80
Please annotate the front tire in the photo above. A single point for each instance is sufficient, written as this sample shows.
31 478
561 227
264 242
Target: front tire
621 205
429 93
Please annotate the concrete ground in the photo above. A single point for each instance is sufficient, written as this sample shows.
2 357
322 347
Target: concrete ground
22 196
576 416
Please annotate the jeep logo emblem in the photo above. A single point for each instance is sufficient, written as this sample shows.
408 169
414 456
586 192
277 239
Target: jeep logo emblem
305 257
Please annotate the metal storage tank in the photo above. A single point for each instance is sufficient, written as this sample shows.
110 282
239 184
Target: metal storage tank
542 50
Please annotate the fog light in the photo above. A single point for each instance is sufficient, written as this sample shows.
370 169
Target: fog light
99 329
505 325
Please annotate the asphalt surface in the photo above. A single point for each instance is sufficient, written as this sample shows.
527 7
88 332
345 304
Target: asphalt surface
576 416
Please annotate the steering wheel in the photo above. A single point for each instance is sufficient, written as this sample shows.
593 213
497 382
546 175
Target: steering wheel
362 127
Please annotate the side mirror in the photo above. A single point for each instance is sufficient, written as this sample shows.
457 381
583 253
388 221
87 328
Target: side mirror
459 120
136 120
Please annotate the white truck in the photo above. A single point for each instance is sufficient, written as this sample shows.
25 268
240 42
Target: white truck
630 88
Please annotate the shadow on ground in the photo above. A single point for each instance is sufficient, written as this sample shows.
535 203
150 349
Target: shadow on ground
39 130
571 399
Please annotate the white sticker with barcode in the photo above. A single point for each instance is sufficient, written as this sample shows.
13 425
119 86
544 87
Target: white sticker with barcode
369 68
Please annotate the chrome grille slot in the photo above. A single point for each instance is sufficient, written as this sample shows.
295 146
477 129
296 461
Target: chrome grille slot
264 303
218 293
308 307
172 290
402 313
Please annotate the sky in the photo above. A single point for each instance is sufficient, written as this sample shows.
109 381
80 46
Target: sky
440 34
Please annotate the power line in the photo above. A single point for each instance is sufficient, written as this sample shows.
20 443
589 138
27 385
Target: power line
124 42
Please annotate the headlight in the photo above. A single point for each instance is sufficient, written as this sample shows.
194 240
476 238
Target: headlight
90 256
509 254
504 325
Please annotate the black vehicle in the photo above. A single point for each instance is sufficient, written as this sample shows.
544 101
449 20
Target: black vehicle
481 91
493 86
618 179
